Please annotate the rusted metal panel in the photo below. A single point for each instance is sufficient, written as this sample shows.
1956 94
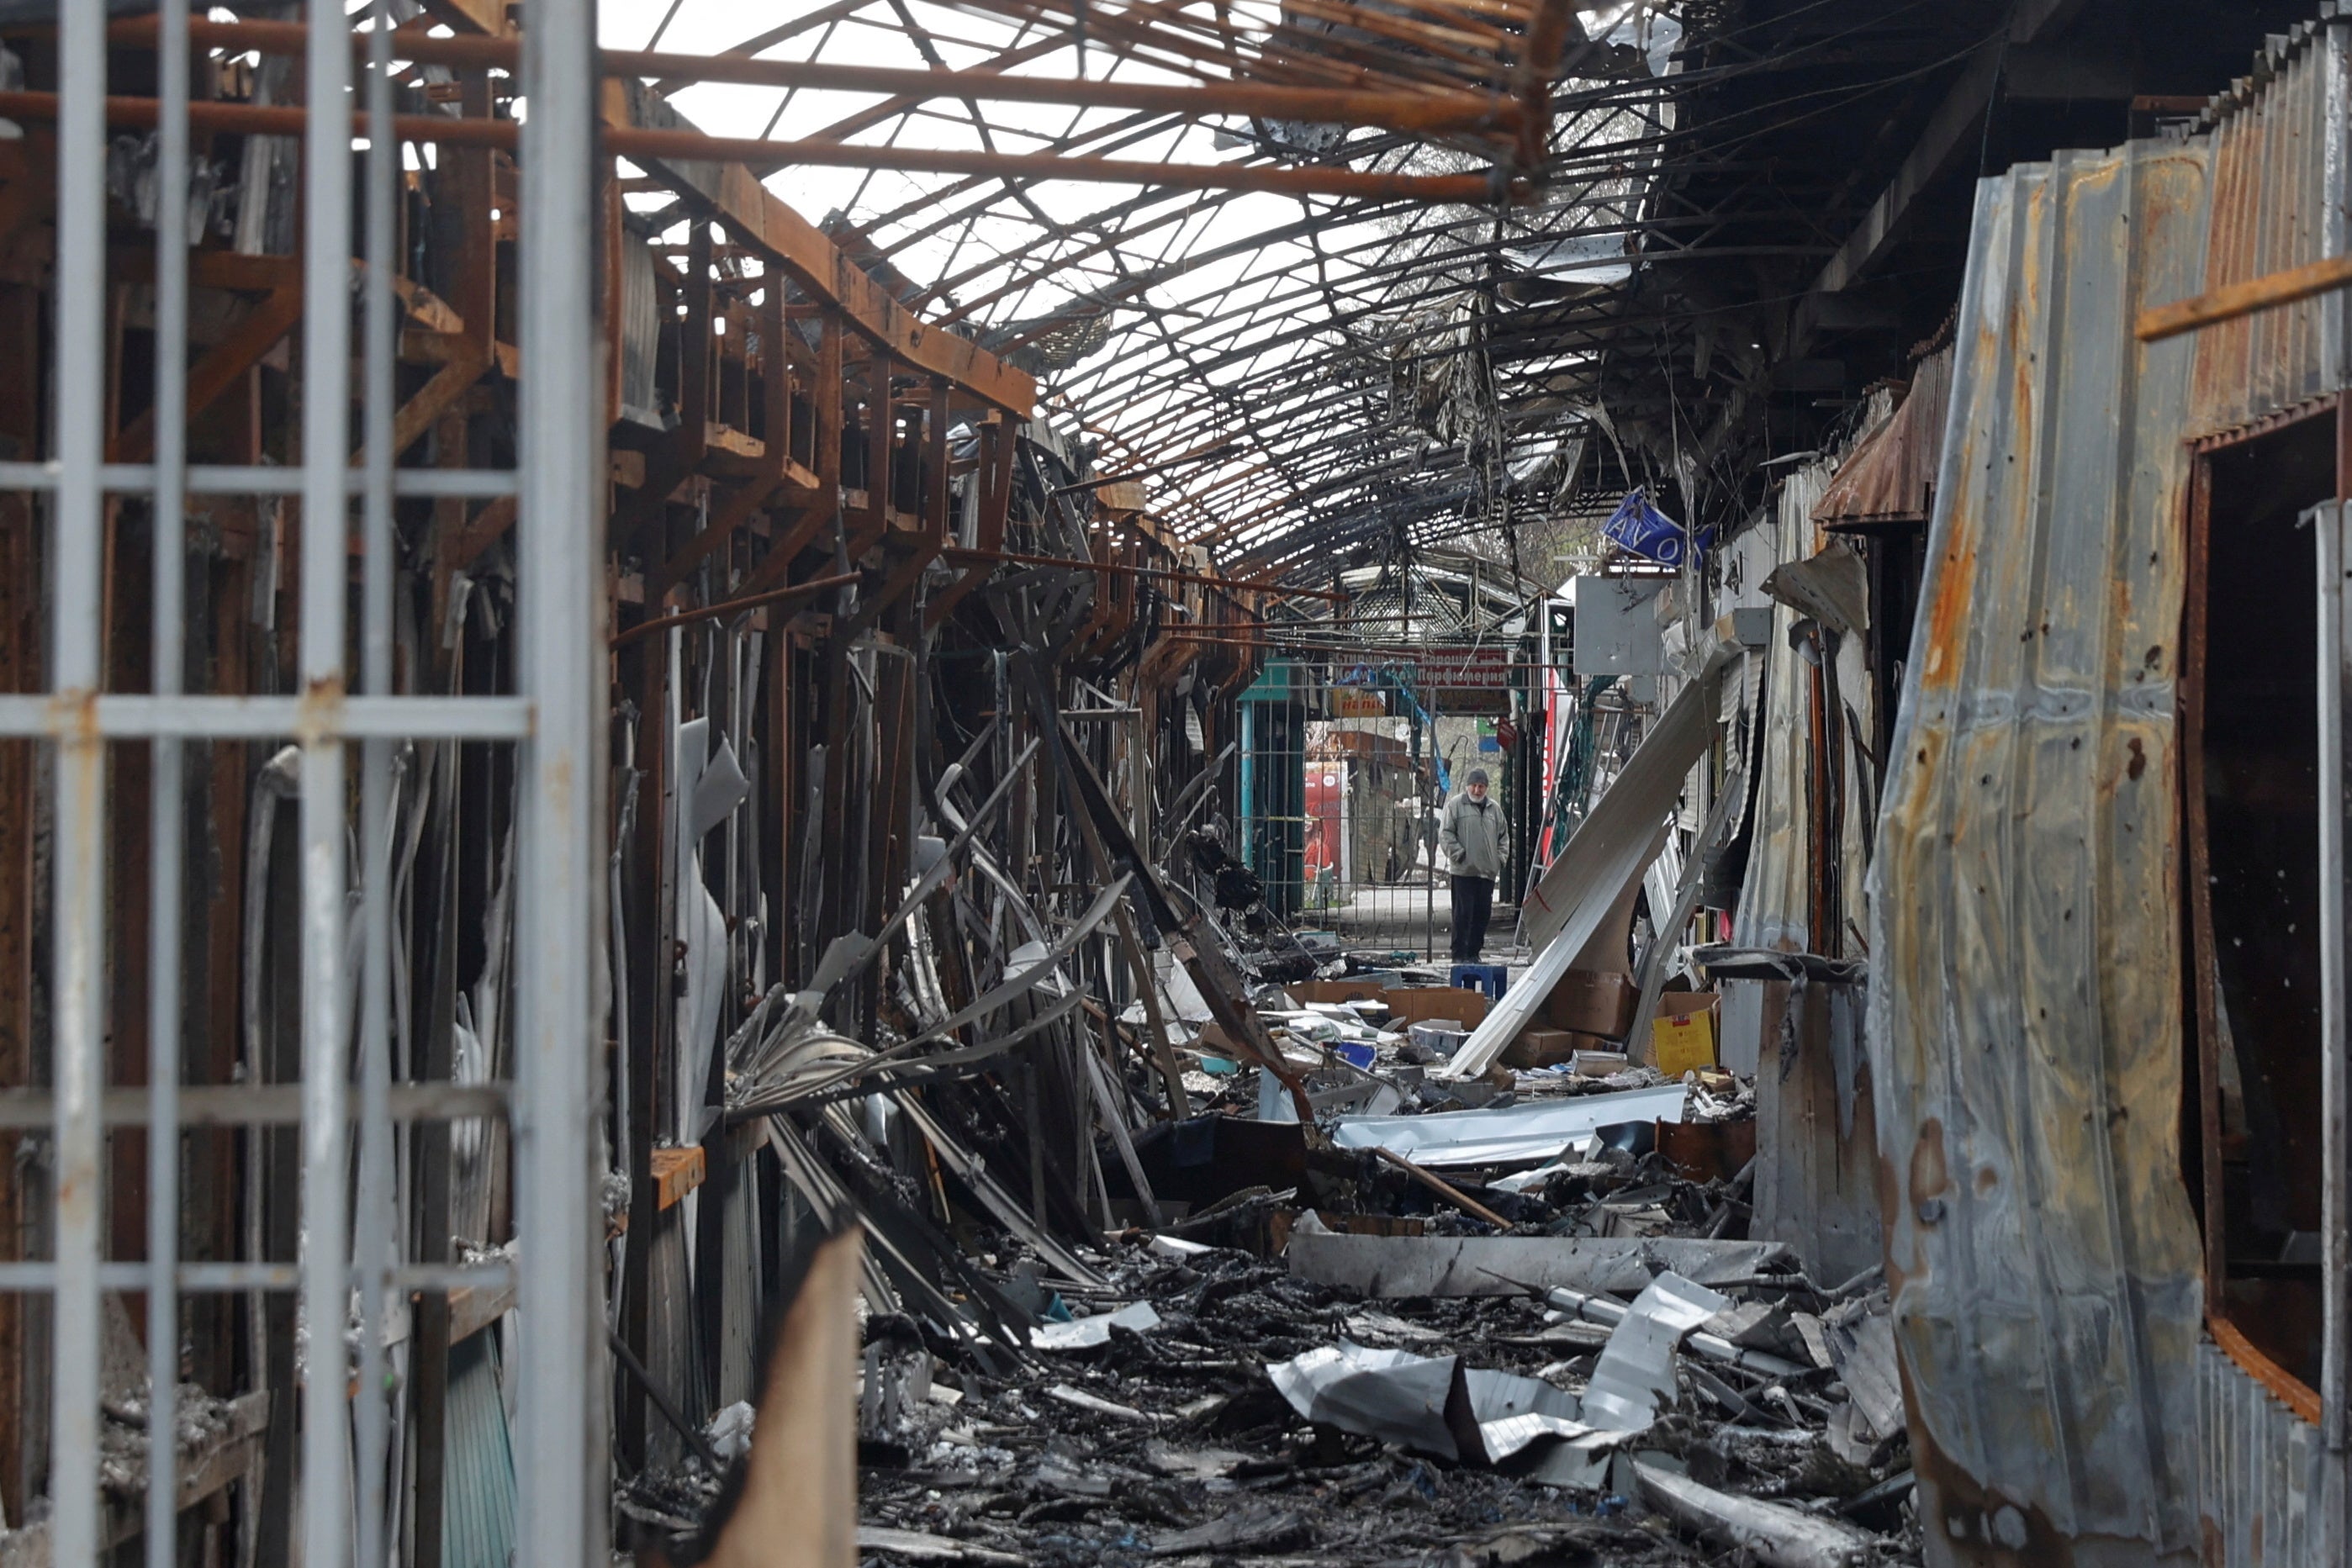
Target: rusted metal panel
2280 145
1890 477
2025 1015
2264 1472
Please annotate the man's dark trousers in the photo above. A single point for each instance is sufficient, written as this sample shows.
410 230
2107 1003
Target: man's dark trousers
1474 903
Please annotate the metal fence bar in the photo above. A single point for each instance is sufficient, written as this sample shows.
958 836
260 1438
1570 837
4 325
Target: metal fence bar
222 1278
166 830
76 544
255 1104
137 716
326 445
556 719
560 1038
373 1225
255 479
2327 522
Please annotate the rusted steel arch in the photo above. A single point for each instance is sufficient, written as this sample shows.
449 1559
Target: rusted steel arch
1251 315
1415 261
1366 277
1241 374
1560 331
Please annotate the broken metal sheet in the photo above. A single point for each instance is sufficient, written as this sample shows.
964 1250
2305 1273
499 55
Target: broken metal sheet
1088 1334
1526 1180
941 861
906 1257
1634 1377
1832 586
1712 838
708 788
1435 1405
1391 1267
1391 1395
2025 1000
719 788
1774 907
974 1174
1749 1320
1581 1462
1197 1464
1534 1130
1890 475
1617 839
1018 981
798 1061
1862 1350
1531 1428
1511 1410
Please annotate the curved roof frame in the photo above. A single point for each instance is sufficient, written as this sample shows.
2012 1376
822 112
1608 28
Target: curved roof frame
1287 376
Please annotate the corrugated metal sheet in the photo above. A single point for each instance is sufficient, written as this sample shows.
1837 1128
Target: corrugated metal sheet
2024 1022
739 1350
2280 146
1891 475
1774 908
1776 895
477 1519
2264 1473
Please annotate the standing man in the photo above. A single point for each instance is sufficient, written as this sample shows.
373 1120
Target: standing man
1471 834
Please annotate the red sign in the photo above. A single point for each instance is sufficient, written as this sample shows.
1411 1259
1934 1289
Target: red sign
1449 669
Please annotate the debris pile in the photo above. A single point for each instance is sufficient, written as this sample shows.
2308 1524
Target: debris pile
1441 1321
1189 1235
1220 1404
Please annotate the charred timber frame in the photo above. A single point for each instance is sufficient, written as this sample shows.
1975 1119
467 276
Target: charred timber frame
742 513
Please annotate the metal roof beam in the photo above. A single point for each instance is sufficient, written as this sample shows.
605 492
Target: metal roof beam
1947 129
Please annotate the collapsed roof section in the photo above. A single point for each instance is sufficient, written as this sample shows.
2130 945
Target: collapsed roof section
1515 259
1282 369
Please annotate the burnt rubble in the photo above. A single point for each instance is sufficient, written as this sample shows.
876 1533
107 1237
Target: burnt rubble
1665 1389
1172 1442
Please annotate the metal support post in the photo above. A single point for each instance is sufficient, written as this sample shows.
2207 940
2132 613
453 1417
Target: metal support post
559 1041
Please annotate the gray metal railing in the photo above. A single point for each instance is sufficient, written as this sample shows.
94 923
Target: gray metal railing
553 720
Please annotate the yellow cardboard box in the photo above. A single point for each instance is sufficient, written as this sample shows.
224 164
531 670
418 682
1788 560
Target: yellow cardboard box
1683 1035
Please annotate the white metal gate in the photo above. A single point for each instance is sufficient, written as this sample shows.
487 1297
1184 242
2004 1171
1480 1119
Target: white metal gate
552 718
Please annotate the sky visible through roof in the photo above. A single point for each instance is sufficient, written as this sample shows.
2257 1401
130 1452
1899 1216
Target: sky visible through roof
1288 373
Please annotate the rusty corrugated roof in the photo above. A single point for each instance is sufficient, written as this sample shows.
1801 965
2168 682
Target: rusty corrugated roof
1891 477
2280 142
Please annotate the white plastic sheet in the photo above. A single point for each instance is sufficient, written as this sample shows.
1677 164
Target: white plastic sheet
1086 1333
1537 1129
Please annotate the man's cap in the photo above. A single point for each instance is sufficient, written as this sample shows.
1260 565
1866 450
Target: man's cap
1477 776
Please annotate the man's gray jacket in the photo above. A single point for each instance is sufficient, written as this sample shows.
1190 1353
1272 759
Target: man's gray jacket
1471 834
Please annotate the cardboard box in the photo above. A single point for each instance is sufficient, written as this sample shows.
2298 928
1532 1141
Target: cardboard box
1540 1046
1305 991
1444 1036
1417 1004
1683 1035
1593 1001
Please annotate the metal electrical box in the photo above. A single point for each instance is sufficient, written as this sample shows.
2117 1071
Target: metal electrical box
1617 630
